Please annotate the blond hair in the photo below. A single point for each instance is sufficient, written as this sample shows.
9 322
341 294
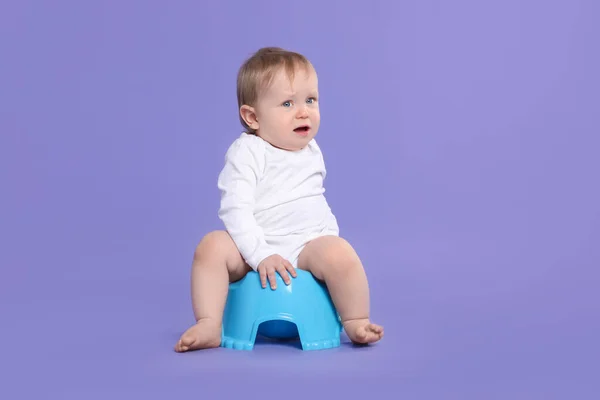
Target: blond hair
257 72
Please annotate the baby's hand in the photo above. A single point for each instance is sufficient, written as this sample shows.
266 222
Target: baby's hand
273 263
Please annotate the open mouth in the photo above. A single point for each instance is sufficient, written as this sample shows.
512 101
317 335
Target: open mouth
302 129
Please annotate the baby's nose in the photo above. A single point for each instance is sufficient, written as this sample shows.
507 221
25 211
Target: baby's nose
302 112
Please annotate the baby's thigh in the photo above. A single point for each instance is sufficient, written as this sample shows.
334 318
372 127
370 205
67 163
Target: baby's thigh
326 255
220 248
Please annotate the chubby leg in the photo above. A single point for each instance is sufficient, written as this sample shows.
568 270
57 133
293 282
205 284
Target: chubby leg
217 262
331 259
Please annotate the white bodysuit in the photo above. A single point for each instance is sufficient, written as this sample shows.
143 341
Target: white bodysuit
272 200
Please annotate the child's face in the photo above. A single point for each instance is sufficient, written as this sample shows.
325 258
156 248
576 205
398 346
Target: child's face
287 113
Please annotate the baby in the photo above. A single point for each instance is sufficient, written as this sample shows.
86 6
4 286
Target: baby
272 204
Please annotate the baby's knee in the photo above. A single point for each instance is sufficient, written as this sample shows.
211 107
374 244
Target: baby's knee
338 255
213 243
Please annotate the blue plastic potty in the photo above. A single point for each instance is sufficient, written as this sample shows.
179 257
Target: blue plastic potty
301 309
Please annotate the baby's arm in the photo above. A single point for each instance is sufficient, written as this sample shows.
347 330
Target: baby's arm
237 183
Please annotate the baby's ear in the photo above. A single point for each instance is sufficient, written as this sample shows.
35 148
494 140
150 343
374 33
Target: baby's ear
249 115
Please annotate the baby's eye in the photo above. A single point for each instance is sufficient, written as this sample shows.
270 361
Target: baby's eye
311 100
287 104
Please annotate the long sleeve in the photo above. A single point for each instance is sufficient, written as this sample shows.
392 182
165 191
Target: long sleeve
237 183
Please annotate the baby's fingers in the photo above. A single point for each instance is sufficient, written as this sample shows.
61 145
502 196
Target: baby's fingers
272 278
263 277
284 275
290 268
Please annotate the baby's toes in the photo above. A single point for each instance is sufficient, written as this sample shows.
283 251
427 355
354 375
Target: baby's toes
372 336
361 335
373 333
178 346
185 343
188 341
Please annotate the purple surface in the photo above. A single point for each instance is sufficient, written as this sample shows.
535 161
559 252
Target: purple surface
462 145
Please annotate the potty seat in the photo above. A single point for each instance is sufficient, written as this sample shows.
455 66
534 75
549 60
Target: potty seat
303 309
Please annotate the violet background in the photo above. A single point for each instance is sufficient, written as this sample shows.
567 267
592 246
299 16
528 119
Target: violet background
461 140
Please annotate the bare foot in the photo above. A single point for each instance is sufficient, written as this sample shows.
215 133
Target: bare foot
205 334
362 331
